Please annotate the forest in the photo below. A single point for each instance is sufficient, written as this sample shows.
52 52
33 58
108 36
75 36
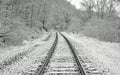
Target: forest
29 19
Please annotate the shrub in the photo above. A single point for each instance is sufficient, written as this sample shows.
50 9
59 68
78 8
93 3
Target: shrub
103 29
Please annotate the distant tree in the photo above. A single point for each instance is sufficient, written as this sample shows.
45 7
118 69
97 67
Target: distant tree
101 7
0 4
89 5
43 14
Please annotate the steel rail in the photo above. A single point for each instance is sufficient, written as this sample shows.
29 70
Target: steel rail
47 59
73 50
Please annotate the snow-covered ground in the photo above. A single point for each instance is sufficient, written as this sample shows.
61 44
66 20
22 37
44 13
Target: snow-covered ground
104 55
62 62
25 59
21 60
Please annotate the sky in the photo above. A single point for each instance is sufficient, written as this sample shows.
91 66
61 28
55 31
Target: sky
76 3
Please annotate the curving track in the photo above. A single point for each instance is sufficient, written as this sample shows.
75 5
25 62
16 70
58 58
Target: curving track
80 67
42 68
61 62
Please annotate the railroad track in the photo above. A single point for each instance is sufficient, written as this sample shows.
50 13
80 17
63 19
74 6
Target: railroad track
41 69
80 67
62 62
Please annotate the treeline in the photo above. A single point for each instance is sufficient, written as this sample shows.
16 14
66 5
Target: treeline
27 19
20 20
101 19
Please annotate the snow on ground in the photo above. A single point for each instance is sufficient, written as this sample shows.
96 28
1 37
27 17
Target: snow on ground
105 55
7 53
62 61
38 48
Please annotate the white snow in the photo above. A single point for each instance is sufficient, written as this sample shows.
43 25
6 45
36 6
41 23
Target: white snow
105 55
30 62
10 52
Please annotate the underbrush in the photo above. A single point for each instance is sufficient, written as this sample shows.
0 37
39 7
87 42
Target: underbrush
103 29
14 34
76 25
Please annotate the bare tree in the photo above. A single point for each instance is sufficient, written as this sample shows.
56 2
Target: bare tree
32 15
89 5
43 14
101 7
